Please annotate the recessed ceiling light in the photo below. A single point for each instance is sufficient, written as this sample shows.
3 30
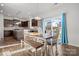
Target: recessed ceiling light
2 4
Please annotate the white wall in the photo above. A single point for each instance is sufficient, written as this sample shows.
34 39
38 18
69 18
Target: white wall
1 27
72 11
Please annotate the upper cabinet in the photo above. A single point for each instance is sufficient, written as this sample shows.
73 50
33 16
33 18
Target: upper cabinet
8 23
24 23
34 22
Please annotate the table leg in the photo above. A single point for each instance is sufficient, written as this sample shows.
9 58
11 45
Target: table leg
21 43
41 51
51 48
45 47
35 52
56 49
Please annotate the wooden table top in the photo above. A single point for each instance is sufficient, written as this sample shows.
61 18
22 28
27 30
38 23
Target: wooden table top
34 43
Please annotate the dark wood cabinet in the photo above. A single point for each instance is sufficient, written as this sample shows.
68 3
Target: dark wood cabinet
34 22
24 23
8 23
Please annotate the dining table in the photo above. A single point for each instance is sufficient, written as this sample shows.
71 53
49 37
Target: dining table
36 45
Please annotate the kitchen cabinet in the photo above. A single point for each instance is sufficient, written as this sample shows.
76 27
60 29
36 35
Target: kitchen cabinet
34 22
24 23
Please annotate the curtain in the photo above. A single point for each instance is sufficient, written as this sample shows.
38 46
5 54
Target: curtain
64 37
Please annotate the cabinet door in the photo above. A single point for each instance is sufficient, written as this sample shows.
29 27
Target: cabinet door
34 22
24 23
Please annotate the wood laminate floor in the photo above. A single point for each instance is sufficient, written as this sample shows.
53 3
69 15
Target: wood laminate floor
63 50
8 41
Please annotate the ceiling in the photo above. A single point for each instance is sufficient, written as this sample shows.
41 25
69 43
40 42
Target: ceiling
25 10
